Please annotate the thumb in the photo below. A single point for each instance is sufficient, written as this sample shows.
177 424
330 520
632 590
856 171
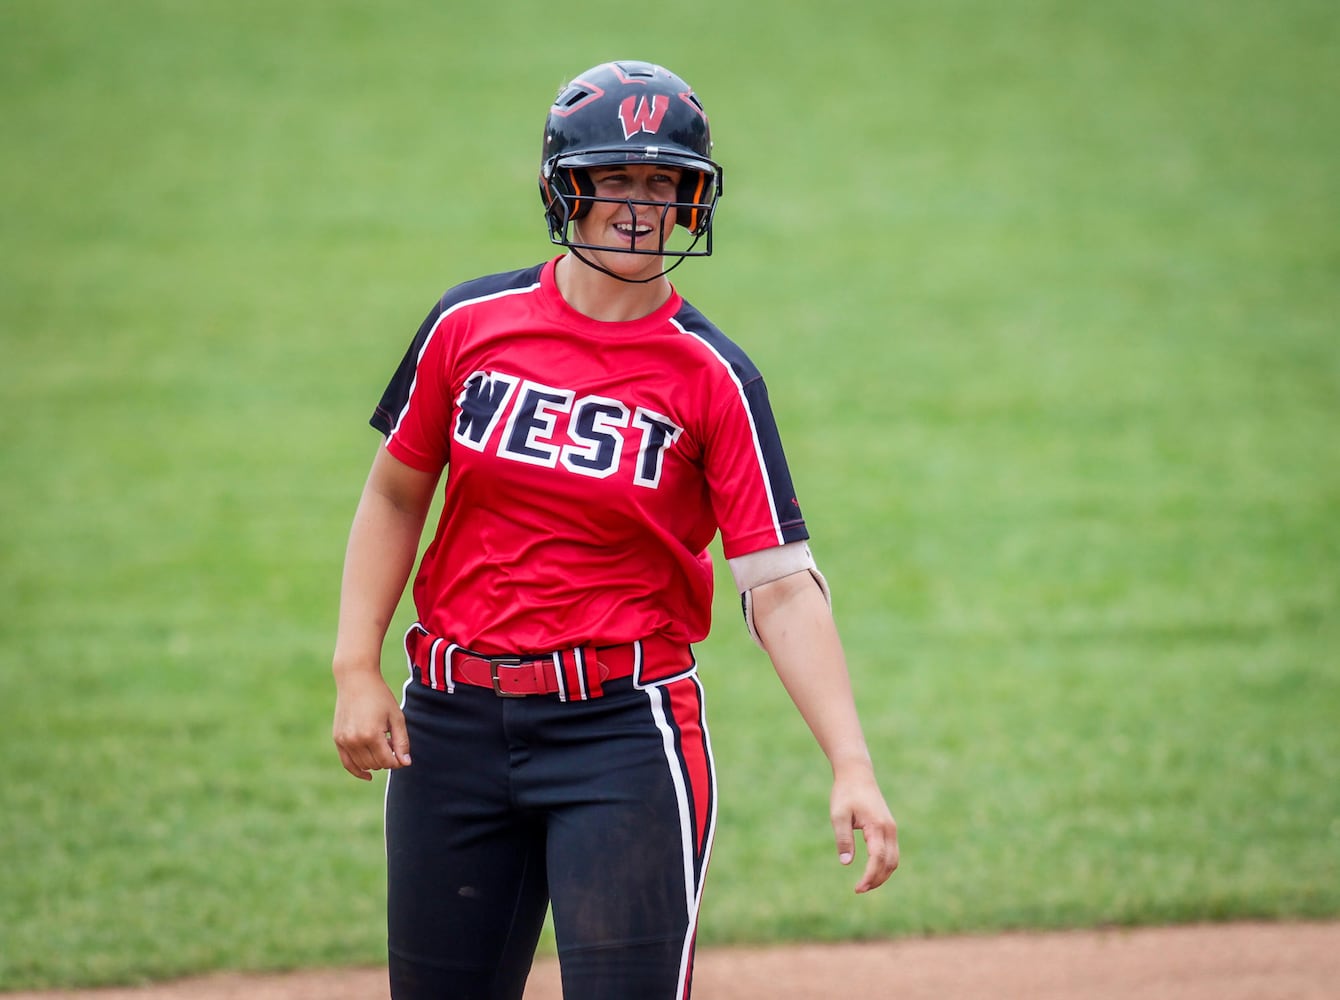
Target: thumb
400 737
846 841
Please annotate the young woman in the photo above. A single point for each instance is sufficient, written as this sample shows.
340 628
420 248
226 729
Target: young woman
597 432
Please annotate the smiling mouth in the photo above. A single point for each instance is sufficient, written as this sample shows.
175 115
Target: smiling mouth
633 231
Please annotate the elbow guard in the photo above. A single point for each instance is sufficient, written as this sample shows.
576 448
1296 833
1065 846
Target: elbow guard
757 568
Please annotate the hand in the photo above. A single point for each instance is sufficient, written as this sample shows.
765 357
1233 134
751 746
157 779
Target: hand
369 726
857 804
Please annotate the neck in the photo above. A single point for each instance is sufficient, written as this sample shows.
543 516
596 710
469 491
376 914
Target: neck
604 298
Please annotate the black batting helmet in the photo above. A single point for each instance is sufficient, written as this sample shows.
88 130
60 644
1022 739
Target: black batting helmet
628 112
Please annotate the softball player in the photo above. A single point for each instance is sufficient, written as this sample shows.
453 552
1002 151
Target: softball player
551 746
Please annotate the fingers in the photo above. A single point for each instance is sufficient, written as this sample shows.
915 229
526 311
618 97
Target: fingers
880 832
371 736
881 843
846 841
349 765
399 740
386 752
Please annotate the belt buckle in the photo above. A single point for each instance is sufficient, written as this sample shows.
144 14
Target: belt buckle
504 661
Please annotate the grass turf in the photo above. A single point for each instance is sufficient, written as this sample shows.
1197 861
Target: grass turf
1047 299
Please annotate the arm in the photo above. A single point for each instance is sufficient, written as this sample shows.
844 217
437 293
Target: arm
796 629
369 728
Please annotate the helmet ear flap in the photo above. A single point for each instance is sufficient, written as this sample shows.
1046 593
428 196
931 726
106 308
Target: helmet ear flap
582 187
696 188
563 190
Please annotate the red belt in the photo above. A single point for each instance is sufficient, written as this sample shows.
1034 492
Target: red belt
572 674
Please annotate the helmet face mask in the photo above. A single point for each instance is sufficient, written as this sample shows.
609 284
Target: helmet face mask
629 113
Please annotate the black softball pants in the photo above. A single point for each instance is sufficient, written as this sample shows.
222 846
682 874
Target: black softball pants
605 807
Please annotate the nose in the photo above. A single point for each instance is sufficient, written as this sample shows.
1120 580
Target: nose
640 190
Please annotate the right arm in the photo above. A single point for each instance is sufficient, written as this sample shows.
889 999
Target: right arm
369 727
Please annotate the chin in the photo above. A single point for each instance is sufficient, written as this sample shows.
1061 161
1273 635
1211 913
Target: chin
630 265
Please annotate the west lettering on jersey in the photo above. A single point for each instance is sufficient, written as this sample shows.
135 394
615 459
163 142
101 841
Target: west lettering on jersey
597 444
481 403
658 434
532 424
552 427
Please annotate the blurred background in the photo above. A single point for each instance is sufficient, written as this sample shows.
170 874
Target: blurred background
1046 294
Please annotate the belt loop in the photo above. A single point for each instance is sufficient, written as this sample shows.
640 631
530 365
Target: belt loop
578 672
541 668
574 674
589 662
430 666
434 669
414 636
560 672
448 651
409 642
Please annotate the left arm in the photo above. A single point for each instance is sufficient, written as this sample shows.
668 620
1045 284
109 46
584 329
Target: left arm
796 628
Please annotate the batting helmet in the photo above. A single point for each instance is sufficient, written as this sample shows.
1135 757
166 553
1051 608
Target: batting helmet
628 112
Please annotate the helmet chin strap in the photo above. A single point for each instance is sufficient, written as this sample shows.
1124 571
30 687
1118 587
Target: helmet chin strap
629 281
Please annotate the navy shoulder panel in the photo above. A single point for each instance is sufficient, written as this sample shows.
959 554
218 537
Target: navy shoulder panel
705 330
754 392
398 389
490 284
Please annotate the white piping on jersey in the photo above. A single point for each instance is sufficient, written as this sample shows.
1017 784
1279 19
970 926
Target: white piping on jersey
409 396
753 427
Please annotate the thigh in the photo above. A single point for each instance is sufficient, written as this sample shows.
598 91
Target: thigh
466 881
627 854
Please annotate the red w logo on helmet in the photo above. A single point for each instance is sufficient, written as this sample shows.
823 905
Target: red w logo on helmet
636 116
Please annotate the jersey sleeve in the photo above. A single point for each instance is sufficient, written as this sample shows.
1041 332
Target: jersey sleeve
415 410
752 492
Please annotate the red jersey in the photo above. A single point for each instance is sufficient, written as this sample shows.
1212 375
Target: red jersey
589 464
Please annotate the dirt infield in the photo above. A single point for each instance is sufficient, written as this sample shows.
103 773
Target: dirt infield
1224 962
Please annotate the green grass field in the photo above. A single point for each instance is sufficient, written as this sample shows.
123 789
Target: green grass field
1048 298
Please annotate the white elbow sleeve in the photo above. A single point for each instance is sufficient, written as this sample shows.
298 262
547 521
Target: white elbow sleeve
757 568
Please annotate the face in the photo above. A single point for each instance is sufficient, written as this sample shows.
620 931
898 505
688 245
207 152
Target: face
622 226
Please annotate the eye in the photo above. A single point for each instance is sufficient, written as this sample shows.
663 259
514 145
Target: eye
615 183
